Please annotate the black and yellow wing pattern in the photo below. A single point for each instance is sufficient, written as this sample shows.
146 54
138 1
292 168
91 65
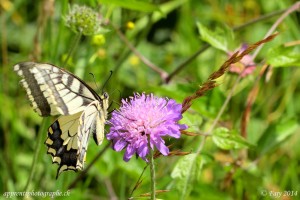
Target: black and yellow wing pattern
55 91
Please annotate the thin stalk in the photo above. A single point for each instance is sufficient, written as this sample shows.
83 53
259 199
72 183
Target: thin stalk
152 173
36 153
73 47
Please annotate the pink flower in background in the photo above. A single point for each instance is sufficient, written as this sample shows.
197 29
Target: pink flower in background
245 66
143 119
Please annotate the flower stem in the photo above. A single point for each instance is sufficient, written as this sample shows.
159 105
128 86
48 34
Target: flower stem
152 171
73 47
152 174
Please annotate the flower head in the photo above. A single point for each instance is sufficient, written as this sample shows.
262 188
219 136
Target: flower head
245 66
83 19
143 119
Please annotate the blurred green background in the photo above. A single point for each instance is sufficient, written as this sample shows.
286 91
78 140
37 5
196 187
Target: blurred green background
166 33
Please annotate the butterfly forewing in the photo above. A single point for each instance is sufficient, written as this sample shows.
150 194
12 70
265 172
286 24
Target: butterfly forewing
54 91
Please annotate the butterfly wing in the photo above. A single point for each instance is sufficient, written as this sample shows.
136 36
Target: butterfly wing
62 142
54 91
91 121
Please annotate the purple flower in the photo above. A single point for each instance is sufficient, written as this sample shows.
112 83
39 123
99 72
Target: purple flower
143 118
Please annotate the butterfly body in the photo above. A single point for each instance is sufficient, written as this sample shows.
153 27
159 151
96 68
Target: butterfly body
55 91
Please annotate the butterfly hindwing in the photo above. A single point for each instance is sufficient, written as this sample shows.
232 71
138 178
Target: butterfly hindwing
62 142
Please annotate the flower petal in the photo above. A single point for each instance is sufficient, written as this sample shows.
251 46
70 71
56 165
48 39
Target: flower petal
159 143
143 150
119 145
128 153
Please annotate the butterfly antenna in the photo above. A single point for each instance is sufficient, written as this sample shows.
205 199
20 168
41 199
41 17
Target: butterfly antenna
94 80
111 72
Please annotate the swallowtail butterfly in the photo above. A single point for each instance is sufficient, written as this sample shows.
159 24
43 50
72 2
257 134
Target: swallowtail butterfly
55 91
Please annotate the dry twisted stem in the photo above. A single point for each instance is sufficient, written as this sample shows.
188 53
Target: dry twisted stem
211 81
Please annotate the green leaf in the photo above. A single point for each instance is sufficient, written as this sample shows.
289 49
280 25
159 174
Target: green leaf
220 38
275 135
186 170
227 140
131 4
281 56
